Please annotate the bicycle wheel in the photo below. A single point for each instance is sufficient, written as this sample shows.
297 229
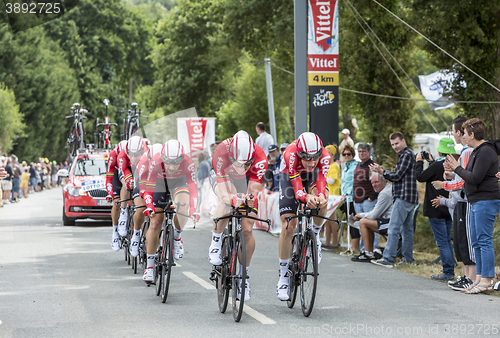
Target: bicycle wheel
158 267
237 253
309 273
168 261
73 140
222 278
133 129
293 273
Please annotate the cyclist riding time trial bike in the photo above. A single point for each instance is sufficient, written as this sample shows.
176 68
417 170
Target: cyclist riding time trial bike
303 264
232 272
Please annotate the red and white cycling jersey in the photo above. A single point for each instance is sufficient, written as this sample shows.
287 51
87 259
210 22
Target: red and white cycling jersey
157 171
110 171
291 164
124 164
223 166
142 169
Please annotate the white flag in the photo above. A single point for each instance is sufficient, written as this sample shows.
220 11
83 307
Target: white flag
432 87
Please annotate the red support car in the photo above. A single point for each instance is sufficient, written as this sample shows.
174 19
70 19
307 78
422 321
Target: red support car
84 192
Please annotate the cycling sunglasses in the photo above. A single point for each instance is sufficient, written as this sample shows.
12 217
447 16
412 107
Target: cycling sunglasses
239 164
135 154
177 160
308 157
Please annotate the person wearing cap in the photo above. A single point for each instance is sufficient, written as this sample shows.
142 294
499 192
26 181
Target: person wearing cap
439 218
346 134
283 147
275 158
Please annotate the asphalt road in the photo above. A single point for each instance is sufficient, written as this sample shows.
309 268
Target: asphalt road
58 281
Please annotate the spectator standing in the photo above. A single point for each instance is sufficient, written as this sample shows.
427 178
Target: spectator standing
377 220
462 242
25 176
283 147
203 172
264 140
346 189
212 149
7 182
33 180
334 182
16 179
364 196
405 202
53 171
346 134
483 193
275 158
439 218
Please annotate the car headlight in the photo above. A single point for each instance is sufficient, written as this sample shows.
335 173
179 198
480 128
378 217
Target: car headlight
73 191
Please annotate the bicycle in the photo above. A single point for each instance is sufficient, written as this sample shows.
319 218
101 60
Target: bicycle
131 124
105 135
303 264
227 276
76 137
125 241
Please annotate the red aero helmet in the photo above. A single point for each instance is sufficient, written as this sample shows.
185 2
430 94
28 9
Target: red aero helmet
172 152
135 146
242 148
309 146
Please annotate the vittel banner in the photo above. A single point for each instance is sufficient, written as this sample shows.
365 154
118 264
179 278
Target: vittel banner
195 134
323 68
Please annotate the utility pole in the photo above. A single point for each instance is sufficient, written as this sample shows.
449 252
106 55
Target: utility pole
300 36
270 99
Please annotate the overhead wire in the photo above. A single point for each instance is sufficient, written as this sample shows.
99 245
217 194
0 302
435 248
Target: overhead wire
388 64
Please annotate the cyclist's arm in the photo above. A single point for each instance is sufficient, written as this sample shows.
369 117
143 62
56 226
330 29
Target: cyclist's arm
142 169
123 165
192 185
323 166
110 172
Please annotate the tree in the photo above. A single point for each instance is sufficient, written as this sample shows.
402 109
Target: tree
362 68
470 31
192 58
11 120
35 69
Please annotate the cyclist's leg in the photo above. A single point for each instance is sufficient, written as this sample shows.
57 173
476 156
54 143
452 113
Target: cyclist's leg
115 212
138 222
222 191
124 194
287 207
181 201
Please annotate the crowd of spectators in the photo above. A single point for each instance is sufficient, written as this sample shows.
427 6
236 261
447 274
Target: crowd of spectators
18 179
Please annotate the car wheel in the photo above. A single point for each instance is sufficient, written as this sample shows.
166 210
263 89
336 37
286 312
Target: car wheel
68 221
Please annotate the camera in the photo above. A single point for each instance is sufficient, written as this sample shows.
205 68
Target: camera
425 155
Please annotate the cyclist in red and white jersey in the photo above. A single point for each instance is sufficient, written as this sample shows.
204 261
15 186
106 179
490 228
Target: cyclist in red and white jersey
304 168
114 187
171 173
238 168
128 163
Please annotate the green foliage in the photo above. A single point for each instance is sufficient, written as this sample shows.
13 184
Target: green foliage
249 106
470 31
11 120
362 68
35 69
191 59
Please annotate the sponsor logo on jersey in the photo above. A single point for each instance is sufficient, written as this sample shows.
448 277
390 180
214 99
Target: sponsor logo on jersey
261 169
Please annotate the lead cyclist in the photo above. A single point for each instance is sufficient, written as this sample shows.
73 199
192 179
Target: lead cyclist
304 168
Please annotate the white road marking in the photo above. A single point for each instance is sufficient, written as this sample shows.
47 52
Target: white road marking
255 314
247 309
198 280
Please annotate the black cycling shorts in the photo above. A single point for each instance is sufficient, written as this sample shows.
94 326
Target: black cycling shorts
117 184
168 187
240 184
288 202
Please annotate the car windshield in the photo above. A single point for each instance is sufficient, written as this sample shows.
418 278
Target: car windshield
90 167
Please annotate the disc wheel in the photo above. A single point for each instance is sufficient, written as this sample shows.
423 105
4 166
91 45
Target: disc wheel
222 278
168 261
293 274
238 256
309 273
